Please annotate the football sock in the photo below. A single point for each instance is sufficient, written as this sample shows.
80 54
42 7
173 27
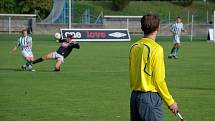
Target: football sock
173 49
174 52
28 63
177 49
38 60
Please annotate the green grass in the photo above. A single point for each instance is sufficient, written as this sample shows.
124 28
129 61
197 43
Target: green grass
139 8
94 83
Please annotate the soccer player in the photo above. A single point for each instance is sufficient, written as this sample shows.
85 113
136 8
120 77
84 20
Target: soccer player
63 51
147 75
176 30
25 43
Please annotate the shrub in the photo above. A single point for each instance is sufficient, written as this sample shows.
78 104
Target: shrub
120 4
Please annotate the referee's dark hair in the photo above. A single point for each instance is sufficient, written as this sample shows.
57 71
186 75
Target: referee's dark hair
150 23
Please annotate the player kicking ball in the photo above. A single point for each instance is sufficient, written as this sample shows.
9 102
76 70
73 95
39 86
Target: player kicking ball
176 30
63 51
25 43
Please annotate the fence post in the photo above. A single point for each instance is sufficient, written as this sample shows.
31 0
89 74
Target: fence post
188 17
70 15
72 12
214 27
9 25
33 24
127 23
191 31
88 13
207 16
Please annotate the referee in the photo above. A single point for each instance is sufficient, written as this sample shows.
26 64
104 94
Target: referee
147 75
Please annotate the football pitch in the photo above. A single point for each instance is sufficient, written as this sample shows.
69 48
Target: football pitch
94 82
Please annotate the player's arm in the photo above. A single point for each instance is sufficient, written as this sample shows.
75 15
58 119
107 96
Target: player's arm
182 29
13 50
159 77
60 40
172 29
75 44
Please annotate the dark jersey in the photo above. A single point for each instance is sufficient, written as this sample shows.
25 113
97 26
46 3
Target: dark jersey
66 48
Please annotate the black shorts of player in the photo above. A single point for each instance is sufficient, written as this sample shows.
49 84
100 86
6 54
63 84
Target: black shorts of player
146 106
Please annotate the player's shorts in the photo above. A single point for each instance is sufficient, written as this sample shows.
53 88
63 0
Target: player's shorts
176 39
27 53
57 56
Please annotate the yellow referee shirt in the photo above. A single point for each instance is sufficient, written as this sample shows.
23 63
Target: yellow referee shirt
147 69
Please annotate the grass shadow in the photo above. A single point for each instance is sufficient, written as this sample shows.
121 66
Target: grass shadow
17 69
196 88
10 69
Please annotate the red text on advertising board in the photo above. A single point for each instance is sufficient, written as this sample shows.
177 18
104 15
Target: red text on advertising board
96 34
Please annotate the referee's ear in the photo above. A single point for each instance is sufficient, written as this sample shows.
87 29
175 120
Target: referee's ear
158 29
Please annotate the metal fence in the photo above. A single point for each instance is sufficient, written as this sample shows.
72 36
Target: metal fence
13 23
196 25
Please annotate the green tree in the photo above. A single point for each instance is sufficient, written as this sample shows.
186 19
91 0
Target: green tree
42 6
184 3
8 6
120 4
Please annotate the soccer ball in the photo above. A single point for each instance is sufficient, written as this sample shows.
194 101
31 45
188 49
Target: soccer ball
57 35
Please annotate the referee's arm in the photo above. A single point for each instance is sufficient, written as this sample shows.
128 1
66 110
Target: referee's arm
159 77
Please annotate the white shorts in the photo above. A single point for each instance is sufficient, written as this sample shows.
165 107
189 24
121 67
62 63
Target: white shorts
27 54
57 56
176 39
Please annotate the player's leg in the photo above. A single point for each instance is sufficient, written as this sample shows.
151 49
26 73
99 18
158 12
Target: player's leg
45 57
48 56
59 61
171 52
28 56
28 64
178 45
173 48
58 65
